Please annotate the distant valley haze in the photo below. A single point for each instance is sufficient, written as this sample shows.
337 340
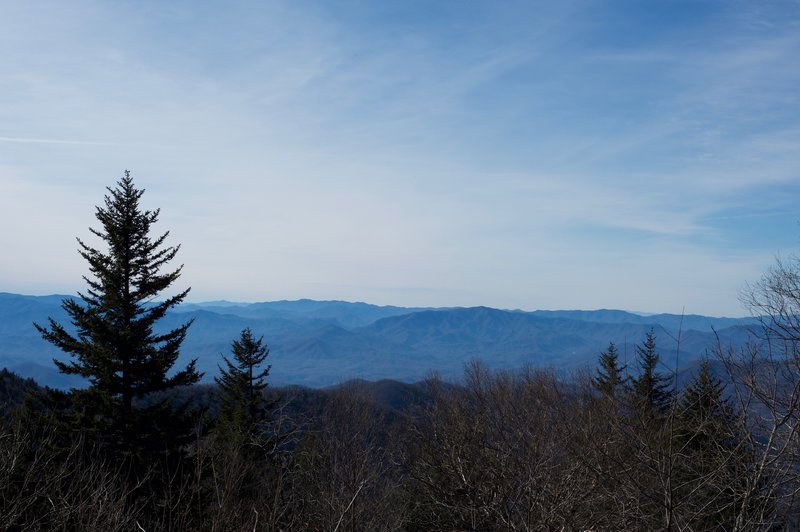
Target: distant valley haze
321 343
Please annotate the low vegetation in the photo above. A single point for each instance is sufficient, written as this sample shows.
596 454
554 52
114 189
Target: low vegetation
522 450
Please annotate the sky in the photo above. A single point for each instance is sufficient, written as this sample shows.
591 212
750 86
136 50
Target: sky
640 155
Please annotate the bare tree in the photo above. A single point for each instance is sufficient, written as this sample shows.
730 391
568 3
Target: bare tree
346 469
46 487
767 377
491 455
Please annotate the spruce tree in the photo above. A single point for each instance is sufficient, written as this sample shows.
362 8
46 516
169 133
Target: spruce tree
714 455
650 388
610 376
703 405
128 366
243 411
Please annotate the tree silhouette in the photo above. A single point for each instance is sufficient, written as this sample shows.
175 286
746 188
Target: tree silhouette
650 388
115 347
243 409
610 377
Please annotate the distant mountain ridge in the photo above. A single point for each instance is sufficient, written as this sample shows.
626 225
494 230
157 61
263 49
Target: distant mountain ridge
343 313
672 321
320 343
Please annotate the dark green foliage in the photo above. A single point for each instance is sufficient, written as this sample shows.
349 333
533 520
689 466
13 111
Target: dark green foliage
13 389
706 442
243 410
610 378
115 346
704 408
714 456
651 393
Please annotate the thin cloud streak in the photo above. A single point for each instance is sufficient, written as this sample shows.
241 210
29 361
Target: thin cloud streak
24 140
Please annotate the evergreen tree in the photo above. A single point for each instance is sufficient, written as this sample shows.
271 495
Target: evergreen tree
704 407
242 407
610 376
650 388
127 364
13 389
714 457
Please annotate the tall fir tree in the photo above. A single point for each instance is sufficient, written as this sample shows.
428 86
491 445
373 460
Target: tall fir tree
704 407
650 389
610 379
714 456
127 364
243 410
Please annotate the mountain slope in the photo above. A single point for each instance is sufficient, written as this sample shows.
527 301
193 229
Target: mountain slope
319 343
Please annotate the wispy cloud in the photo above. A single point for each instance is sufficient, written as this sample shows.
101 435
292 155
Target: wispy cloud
495 151
24 140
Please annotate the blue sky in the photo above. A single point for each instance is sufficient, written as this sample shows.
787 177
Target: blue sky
574 154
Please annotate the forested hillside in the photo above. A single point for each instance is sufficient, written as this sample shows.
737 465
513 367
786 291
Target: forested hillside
14 389
508 450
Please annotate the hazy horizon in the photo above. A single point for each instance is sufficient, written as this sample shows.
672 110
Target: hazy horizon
571 155
227 302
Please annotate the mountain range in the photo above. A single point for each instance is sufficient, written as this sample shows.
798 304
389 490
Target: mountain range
320 343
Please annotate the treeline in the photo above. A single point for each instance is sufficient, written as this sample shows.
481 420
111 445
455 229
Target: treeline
500 450
14 389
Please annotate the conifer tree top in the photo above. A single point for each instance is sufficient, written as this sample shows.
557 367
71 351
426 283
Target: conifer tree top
115 347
